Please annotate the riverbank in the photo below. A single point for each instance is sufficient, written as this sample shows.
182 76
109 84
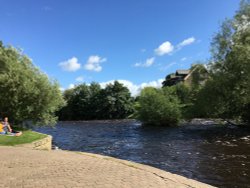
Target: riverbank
24 167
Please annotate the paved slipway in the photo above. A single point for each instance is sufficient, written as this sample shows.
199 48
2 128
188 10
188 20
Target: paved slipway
23 167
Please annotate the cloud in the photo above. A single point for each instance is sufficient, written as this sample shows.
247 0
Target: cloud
47 8
164 48
168 66
186 42
134 88
71 65
183 59
149 62
71 86
167 47
156 84
62 89
80 79
93 63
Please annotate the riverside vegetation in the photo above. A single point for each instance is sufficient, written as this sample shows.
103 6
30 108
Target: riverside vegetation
28 94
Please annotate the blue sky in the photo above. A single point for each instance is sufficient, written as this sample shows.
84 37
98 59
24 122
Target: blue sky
136 41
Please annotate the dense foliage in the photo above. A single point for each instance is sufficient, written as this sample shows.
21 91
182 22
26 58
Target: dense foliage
227 92
26 93
158 107
91 102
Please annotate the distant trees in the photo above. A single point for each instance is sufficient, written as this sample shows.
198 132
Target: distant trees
92 102
26 93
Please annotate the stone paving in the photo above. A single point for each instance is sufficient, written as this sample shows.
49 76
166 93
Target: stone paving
27 168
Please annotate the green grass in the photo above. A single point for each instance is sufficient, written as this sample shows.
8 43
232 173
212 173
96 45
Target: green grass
27 137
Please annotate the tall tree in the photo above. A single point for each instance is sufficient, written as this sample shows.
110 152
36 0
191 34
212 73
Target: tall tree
228 87
26 93
116 101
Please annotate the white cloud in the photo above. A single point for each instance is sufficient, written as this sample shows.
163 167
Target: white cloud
149 62
168 66
134 88
80 79
183 59
93 63
164 48
186 42
70 65
157 84
71 86
62 89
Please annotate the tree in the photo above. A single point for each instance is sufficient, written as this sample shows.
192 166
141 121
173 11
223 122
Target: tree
81 103
115 102
227 92
158 107
66 112
91 102
81 99
94 102
26 93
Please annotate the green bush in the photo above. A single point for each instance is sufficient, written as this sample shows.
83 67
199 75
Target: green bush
158 107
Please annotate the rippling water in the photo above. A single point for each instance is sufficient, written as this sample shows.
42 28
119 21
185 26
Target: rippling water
216 155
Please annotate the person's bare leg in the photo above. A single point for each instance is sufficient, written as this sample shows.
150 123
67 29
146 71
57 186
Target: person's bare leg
19 134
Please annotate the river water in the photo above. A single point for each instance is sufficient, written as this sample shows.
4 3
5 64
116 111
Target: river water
217 155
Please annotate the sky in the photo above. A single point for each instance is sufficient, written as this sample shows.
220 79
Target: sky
137 42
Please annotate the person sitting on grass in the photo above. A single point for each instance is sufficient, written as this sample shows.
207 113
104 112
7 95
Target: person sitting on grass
5 128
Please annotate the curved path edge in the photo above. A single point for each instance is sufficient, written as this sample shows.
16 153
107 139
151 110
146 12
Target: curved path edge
25 167
164 175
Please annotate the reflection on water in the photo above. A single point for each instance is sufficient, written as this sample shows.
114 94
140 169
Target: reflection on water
216 155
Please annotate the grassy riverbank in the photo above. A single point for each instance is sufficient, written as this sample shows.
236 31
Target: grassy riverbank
28 136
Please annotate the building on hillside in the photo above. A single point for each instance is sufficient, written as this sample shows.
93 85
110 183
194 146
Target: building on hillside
175 78
186 76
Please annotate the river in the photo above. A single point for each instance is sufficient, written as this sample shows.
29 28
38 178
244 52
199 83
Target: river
217 155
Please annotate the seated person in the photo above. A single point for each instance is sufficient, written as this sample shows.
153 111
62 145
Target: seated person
5 128
1 129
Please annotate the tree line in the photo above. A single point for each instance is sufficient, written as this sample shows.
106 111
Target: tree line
91 102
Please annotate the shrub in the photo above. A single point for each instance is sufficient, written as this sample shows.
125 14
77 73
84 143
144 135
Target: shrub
158 107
